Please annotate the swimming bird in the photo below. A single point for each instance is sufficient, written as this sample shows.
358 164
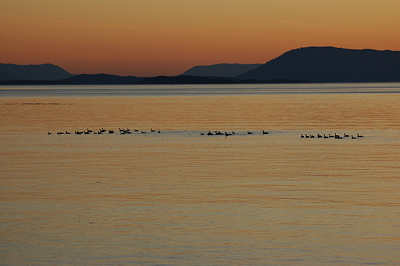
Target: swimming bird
209 133
359 136
249 132
264 132
48 133
345 135
352 137
302 136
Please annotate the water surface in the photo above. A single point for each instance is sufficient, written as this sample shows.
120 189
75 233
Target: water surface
182 198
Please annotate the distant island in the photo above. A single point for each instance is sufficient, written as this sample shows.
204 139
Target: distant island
220 70
32 72
309 64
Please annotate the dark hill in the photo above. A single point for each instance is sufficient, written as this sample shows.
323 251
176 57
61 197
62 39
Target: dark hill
32 72
220 70
97 79
186 80
330 64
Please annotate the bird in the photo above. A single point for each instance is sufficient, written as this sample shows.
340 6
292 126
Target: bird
264 132
359 136
249 132
48 133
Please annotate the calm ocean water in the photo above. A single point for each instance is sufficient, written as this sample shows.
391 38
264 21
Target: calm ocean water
182 198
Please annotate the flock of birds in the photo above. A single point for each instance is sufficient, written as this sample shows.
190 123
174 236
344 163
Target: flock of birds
124 131
335 136
121 131
219 133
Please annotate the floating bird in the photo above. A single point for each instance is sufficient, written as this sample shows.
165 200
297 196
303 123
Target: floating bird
48 133
264 132
359 136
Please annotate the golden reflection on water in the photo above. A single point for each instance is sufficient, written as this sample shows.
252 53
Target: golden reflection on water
179 198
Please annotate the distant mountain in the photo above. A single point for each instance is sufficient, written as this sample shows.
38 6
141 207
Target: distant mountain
220 70
330 64
32 72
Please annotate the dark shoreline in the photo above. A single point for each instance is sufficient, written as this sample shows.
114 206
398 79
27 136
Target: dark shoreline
102 79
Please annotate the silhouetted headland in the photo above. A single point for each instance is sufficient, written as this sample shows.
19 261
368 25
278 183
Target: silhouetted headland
330 64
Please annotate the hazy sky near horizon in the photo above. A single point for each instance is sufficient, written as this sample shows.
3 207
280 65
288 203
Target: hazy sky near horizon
166 37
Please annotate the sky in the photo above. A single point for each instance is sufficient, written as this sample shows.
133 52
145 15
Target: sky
167 37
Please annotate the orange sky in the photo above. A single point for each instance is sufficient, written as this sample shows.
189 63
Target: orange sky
166 37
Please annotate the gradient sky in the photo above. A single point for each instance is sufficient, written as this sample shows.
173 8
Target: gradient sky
166 37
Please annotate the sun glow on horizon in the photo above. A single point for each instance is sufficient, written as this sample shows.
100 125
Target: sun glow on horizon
155 37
